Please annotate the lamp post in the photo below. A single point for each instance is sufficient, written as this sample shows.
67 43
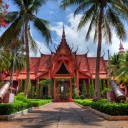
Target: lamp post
13 63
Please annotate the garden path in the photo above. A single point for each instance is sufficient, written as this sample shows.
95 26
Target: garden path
62 115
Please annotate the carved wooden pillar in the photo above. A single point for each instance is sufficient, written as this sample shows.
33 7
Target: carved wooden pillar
54 88
77 81
70 88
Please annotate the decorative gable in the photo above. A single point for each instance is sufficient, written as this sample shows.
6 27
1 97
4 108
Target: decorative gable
62 70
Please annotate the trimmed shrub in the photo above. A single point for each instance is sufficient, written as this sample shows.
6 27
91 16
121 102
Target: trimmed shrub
82 97
39 102
6 109
110 108
77 97
85 102
47 97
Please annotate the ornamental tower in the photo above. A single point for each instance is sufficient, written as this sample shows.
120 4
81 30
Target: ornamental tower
121 48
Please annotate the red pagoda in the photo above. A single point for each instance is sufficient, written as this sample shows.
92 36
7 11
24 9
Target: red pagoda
62 67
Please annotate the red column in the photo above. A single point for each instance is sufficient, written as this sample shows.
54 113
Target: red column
54 88
77 80
71 89
49 91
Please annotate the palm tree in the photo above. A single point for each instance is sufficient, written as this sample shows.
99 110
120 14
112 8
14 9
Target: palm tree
119 67
103 15
123 69
5 59
114 63
21 21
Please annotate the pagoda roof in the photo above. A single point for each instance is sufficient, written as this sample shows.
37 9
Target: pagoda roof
40 66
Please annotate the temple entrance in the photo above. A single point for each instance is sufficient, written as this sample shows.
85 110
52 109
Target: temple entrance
62 89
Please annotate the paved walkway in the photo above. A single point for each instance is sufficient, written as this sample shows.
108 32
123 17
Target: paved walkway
62 115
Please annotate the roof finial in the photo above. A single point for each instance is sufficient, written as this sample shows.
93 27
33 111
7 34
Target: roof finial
63 31
63 26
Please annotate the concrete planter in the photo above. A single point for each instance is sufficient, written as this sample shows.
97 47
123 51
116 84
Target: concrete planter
13 116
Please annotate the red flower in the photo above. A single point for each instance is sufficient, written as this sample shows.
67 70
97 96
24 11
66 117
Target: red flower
4 24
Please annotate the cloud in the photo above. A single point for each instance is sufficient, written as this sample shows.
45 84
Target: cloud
41 48
77 39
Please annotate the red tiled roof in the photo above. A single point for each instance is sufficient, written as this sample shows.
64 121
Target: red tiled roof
23 76
92 64
45 61
82 62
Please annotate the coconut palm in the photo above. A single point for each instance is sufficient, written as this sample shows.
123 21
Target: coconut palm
114 63
5 58
102 16
21 21
123 69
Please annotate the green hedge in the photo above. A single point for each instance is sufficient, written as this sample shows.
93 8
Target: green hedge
6 109
21 103
38 102
85 102
111 108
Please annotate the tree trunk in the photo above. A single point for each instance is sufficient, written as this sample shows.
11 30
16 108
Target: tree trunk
27 61
97 94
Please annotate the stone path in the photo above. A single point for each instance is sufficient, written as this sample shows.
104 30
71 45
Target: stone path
62 115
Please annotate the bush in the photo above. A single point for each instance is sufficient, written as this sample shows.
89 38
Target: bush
85 102
47 97
104 92
21 103
21 97
110 108
82 97
6 109
77 97
39 102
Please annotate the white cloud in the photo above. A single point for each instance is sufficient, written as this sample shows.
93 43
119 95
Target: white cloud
77 38
41 48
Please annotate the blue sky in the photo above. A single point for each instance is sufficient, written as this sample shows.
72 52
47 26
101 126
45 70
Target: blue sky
56 18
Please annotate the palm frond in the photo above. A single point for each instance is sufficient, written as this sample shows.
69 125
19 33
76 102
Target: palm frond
12 32
120 8
107 31
19 4
93 24
83 6
33 45
66 3
43 27
36 4
87 16
115 21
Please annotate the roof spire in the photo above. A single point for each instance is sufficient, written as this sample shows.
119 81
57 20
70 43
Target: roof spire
63 40
121 48
63 35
